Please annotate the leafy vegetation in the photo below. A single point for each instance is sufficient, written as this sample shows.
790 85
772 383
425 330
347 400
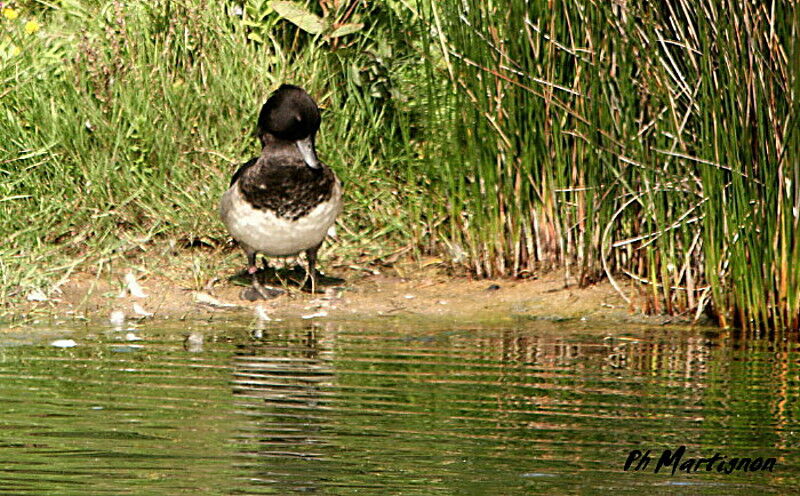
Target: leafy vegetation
123 121
655 144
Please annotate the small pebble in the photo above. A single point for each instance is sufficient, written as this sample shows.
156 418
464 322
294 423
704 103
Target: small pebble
126 348
315 315
140 311
319 303
493 287
37 295
207 299
64 343
117 317
409 297
193 342
133 286
261 313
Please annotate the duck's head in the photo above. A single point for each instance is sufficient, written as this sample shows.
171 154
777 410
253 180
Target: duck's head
289 114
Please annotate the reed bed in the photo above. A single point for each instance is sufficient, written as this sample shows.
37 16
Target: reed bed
655 143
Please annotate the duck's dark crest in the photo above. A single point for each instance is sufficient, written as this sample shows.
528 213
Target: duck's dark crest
289 114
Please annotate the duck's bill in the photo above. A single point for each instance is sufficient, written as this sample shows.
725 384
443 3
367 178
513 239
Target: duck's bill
306 147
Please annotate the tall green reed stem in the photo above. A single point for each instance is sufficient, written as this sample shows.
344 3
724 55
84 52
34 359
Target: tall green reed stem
654 141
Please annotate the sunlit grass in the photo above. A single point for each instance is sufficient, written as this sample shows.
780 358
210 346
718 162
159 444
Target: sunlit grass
123 122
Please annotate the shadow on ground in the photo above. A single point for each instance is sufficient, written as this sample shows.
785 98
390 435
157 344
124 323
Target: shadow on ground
286 277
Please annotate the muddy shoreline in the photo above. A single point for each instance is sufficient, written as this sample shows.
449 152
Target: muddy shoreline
409 292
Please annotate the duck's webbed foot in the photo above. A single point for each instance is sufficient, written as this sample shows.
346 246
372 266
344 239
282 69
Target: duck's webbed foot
257 291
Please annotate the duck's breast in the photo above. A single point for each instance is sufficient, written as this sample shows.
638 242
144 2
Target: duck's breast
263 231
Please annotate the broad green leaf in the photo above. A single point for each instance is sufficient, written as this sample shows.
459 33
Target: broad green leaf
299 16
346 29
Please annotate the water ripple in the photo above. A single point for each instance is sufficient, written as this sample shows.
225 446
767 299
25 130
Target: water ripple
355 408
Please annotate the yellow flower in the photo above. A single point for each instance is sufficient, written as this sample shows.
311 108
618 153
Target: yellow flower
10 13
31 27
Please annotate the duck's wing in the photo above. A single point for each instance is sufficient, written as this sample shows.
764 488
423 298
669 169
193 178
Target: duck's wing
240 170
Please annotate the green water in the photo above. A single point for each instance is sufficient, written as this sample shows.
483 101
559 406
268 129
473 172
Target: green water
350 408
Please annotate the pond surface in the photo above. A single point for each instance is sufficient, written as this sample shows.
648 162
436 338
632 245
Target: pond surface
395 408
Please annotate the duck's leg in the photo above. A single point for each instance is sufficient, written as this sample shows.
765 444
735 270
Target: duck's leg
310 283
251 261
258 291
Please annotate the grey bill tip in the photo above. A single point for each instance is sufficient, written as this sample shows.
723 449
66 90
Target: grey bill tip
306 147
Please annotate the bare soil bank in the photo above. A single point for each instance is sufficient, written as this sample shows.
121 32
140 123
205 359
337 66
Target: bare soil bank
410 290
